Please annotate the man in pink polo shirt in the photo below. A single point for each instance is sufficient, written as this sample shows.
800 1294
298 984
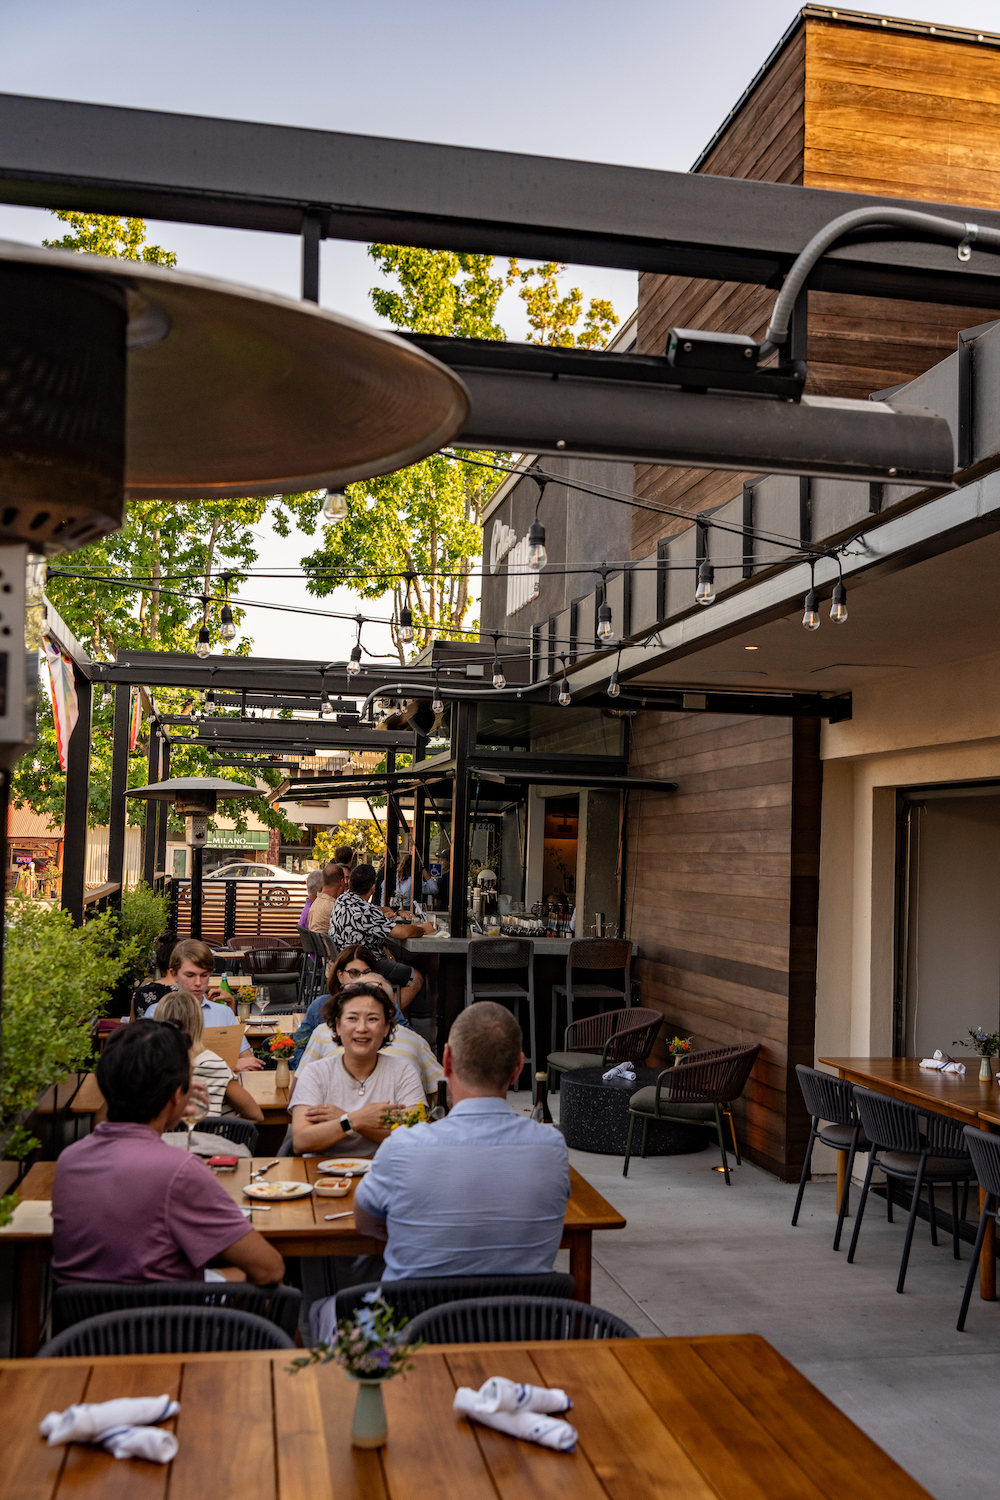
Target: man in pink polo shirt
128 1207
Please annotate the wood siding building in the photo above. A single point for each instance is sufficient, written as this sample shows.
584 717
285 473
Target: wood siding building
723 877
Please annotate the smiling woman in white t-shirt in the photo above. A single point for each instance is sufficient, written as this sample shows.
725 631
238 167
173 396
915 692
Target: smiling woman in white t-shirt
339 1102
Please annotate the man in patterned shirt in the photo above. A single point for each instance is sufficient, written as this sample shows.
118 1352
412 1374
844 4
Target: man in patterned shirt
356 919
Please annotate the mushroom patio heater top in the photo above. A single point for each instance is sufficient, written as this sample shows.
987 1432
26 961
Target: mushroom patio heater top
121 378
195 798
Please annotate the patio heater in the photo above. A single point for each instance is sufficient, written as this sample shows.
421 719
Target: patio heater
121 379
195 799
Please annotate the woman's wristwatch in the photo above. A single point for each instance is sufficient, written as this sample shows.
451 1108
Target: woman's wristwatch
345 1124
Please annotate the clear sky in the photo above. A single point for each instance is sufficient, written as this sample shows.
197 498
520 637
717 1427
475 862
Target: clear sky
640 82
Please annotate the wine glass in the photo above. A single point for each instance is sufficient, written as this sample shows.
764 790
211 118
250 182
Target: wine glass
195 1111
263 997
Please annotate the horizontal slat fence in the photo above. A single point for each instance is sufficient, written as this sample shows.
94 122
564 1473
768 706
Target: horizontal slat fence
242 908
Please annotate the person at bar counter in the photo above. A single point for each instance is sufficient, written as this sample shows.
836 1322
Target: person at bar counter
192 965
334 883
357 920
128 1207
339 1102
482 1192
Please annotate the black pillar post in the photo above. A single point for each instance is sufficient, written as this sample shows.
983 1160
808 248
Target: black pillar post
77 803
312 233
196 864
163 816
119 786
463 739
391 833
152 806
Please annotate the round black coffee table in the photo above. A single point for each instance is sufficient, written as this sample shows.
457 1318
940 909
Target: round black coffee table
593 1116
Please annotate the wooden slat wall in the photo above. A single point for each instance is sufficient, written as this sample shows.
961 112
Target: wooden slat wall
722 894
254 916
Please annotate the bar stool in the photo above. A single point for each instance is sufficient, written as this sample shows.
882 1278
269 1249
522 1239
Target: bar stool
507 956
984 1148
829 1098
586 955
937 1155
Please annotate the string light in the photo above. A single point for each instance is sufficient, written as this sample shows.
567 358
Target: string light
334 506
210 701
354 665
565 697
325 706
499 680
437 703
705 592
228 630
838 604
614 686
405 628
604 627
810 610
204 645
537 555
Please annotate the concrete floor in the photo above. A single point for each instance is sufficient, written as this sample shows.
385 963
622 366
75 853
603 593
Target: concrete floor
698 1257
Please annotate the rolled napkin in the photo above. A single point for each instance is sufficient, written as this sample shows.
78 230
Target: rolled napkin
532 1427
623 1070
499 1394
942 1063
124 1427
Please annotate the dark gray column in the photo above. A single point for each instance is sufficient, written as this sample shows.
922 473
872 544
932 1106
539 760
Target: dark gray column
463 739
391 834
119 786
163 817
77 803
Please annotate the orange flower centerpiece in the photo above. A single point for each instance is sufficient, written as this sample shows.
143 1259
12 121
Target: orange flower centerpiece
281 1048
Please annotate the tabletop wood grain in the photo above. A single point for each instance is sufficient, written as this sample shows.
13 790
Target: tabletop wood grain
715 1418
961 1096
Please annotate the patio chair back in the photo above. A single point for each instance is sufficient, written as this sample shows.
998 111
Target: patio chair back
500 1320
617 1034
241 1132
499 953
715 1077
248 944
984 1148
79 1300
273 960
599 953
410 1298
890 1124
826 1097
502 969
166 1330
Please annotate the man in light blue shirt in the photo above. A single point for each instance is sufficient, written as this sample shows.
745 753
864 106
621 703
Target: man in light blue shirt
482 1192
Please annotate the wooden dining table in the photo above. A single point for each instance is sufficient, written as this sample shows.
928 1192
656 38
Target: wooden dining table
714 1418
297 1227
963 1097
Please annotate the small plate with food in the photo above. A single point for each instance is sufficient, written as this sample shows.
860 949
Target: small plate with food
277 1192
345 1166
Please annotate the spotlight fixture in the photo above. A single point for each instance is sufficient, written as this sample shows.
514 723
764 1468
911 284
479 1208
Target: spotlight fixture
705 592
604 628
204 645
838 604
228 631
354 665
537 555
335 506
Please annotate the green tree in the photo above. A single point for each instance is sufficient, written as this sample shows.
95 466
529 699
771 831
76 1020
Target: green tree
427 520
103 234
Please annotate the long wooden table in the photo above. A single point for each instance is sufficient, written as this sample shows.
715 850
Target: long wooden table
962 1097
298 1227
714 1418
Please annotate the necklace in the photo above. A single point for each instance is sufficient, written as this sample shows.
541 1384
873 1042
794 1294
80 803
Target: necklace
359 1083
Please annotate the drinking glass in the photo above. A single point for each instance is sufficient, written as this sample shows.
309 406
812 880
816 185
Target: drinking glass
192 1116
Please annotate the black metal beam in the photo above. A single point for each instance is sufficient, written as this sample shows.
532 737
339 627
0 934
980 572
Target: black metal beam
61 154
511 779
300 734
774 705
178 669
76 806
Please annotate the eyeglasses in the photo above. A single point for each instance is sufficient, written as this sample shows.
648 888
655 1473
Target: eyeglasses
355 973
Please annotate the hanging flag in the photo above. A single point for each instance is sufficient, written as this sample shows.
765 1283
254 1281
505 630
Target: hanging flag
135 717
65 708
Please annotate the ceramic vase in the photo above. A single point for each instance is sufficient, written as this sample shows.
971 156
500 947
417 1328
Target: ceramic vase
282 1076
985 1071
368 1430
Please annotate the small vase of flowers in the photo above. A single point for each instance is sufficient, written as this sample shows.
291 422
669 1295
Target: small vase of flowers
677 1047
280 1048
370 1350
402 1116
986 1043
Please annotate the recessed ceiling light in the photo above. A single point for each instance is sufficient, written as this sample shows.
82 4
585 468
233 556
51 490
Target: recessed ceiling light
751 648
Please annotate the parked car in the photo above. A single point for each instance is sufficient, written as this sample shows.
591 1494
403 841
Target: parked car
255 872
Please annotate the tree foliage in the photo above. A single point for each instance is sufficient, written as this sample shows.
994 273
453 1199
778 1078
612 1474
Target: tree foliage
427 520
103 234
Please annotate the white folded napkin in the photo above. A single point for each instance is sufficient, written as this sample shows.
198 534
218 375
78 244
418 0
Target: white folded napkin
499 1394
205 1143
533 1427
124 1427
942 1063
623 1070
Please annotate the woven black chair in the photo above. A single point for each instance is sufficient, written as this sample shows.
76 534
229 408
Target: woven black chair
251 944
607 1039
166 1330
984 1149
698 1091
587 955
829 1098
78 1300
505 959
905 1153
502 1320
240 1132
410 1298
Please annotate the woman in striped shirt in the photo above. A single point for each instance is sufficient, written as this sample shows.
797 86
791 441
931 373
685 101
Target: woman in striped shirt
226 1096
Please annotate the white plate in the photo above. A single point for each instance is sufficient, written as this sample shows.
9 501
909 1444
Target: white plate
345 1166
278 1192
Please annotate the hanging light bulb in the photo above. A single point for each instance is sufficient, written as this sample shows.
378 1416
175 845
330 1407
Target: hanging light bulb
810 612
705 592
228 631
204 645
437 703
405 631
335 506
354 665
325 706
614 686
210 701
838 604
537 555
499 680
565 697
604 628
